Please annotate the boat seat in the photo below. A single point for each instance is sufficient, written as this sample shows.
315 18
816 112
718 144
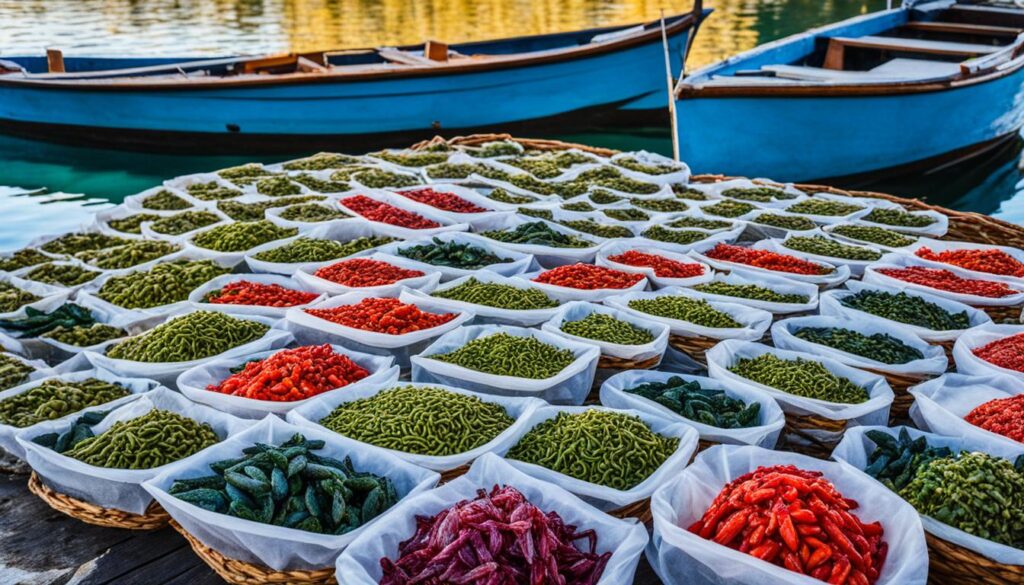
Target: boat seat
914 68
834 57
963 28
404 57
901 70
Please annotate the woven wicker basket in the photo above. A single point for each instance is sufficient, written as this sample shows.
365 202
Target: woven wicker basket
154 518
695 347
950 563
1004 314
640 510
899 412
797 438
451 474
242 573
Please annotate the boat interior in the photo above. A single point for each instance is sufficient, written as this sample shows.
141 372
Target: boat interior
936 41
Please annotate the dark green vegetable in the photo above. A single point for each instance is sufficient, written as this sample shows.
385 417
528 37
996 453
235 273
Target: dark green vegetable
699 223
56 398
601 230
612 449
257 211
660 205
212 191
757 194
683 237
703 405
899 218
320 185
824 207
880 347
603 197
452 255
193 336
509 355
907 309
604 327
379 179
61 274
86 336
684 192
186 221
291 486
540 213
824 246
164 200
154 439
874 235
750 291
799 377
13 298
627 214
578 206
314 250
133 223
786 222
241 236
312 213
80 430
537 233
36 322
695 311
13 371
163 284
502 296
729 208
133 254
278 186
79 242
22 259
896 461
321 162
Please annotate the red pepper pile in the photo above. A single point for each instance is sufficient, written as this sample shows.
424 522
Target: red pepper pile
498 539
389 316
358 272
443 200
292 374
943 279
374 210
588 277
991 261
1007 352
1003 416
245 292
798 520
765 259
662 266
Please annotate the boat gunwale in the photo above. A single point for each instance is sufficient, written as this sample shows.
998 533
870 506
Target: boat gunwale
675 24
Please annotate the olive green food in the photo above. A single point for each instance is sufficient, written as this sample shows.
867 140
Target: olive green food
508 355
899 218
975 492
464 170
880 347
345 173
278 186
537 233
128 255
799 377
535 185
380 179
61 274
186 221
312 213
699 223
321 162
56 398
824 207
907 309
627 214
682 237
321 185
503 196
540 167
69 244
314 250
610 177
704 405
896 460
13 298
79 431
22 259
241 236
660 205
578 206
504 148
874 235
163 284
244 174
212 191
290 486
757 194
601 230
824 246
164 200
133 223
729 208
604 327
413 159
786 222
36 322
190 337
86 335
502 296
632 164
750 291
154 439
684 192
452 254
420 420
696 311
13 371
603 197
257 211
612 449
539 213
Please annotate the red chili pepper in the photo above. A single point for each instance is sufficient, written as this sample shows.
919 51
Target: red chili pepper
362 272
1003 416
292 374
442 200
983 260
942 279
588 277
663 267
374 210
245 292
766 259
382 315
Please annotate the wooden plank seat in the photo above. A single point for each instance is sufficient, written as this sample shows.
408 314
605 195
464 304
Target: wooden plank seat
893 70
967 29
834 57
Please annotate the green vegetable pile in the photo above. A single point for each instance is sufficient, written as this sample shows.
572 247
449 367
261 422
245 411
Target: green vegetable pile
420 420
508 355
612 449
36 322
13 371
632 164
502 296
212 191
56 398
241 236
80 430
786 222
133 254
502 148
824 207
69 244
699 223
86 335
604 327
729 208
164 200
163 284
22 259
682 237
907 309
537 233
246 174
758 194
190 337
704 405
184 222
799 377
874 235
540 213
257 211
899 218
750 291
896 461
154 439
133 223
696 311
823 246
321 185
464 170
660 205
13 298
314 250
278 186
321 162
452 255
578 206
603 197
504 196
601 230
412 159
380 179
684 192
61 274
610 177
291 486
312 213
880 347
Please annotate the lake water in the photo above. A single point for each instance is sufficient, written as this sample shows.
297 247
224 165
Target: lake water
216 27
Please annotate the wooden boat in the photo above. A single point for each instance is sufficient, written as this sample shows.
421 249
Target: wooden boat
914 87
333 98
